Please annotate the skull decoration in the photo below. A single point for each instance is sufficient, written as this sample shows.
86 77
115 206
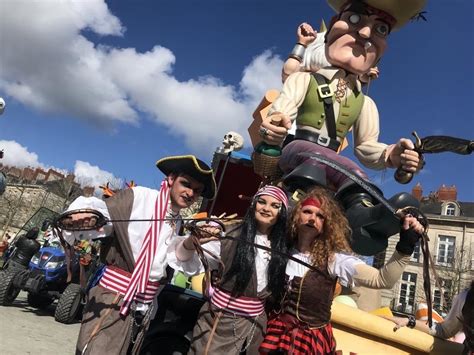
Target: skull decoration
232 141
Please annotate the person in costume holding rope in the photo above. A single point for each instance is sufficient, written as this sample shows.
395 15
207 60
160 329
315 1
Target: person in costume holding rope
235 320
119 307
327 103
320 232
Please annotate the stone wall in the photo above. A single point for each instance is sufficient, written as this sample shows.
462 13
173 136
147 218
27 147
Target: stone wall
20 202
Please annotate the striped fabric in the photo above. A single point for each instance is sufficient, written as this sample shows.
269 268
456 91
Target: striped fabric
275 192
117 280
287 334
241 306
141 272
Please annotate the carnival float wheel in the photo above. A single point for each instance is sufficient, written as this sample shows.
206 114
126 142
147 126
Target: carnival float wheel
69 304
8 292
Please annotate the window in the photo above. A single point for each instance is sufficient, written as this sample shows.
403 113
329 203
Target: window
416 253
445 250
450 209
443 305
406 299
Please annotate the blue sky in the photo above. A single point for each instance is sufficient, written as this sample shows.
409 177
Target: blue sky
104 89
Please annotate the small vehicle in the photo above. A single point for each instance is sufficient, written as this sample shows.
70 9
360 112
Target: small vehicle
47 277
46 280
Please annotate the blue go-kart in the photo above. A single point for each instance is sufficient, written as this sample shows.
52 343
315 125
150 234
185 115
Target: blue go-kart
46 280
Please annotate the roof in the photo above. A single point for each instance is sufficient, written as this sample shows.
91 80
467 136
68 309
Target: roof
434 207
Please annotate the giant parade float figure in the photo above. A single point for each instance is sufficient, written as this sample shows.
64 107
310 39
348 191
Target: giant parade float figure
327 103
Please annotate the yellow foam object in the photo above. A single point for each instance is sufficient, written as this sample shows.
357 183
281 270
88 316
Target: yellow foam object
196 283
384 311
364 333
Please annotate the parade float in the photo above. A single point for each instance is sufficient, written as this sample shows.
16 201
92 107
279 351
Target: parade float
322 123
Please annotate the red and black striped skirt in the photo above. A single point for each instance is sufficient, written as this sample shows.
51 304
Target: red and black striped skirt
289 335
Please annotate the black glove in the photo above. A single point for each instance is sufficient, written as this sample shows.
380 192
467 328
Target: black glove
408 240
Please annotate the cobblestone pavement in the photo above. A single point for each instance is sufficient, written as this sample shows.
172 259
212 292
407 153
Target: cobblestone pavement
26 330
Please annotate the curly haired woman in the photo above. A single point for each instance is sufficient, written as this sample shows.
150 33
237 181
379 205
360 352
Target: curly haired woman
320 233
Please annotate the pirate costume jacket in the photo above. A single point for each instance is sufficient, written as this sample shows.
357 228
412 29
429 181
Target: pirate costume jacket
302 99
108 322
236 321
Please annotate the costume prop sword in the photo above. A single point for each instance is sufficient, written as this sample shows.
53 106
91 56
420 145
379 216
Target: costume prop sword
98 220
435 144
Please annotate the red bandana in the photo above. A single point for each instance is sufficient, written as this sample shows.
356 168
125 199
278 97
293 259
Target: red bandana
311 202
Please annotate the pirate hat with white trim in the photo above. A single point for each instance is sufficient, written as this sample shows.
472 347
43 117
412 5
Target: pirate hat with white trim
401 10
192 166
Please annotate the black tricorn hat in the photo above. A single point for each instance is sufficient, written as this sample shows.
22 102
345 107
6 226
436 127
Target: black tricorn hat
192 166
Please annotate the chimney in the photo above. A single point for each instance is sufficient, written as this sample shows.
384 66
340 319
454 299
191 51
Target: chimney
417 191
447 193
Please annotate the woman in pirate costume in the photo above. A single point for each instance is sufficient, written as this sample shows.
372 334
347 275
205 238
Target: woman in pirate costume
235 320
119 307
320 234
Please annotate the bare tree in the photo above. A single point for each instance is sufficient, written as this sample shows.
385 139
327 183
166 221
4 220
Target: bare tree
453 277
66 189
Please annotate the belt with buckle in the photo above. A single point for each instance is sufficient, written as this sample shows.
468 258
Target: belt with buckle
314 137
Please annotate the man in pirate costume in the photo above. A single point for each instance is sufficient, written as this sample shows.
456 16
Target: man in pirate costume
134 252
327 103
235 320
320 232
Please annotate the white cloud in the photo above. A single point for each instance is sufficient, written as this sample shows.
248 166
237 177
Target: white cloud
17 155
86 174
49 65
262 74
90 175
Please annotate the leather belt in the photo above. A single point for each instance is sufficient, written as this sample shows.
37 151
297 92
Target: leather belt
303 134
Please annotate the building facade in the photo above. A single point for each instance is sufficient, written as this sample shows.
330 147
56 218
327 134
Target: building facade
451 239
27 190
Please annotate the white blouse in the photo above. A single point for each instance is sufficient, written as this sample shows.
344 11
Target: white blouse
342 266
194 266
